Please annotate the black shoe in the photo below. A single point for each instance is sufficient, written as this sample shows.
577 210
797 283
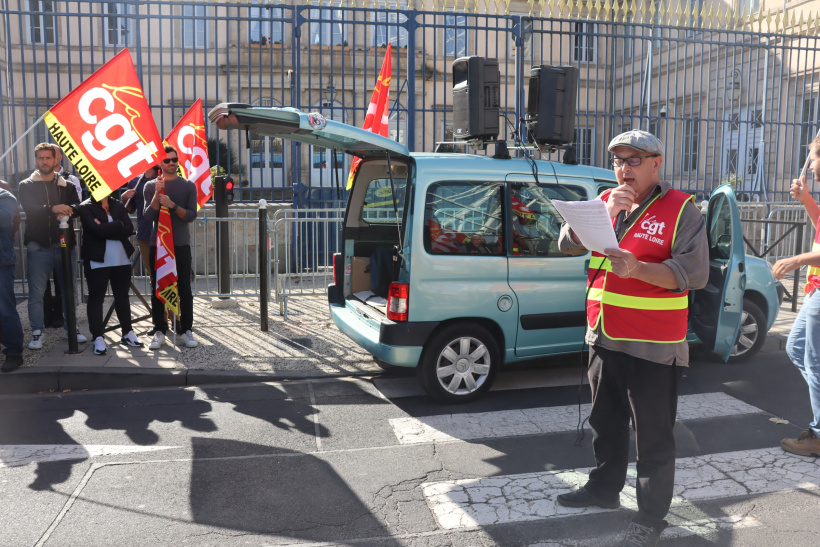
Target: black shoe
584 498
640 535
12 362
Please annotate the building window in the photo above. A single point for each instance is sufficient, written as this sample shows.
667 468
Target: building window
41 22
119 26
267 25
584 145
194 27
455 35
327 28
751 161
808 129
584 36
731 161
691 136
748 7
389 31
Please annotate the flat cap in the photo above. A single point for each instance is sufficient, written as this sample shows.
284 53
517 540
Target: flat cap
641 141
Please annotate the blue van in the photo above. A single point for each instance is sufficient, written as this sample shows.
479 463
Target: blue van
450 262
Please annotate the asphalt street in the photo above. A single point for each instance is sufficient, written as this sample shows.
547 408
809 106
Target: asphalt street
371 461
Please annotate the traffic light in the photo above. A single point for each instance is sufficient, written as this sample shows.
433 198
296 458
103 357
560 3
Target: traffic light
228 190
223 191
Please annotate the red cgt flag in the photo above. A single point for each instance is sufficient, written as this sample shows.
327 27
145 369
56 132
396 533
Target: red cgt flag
105 128
377 120
189 139
166 263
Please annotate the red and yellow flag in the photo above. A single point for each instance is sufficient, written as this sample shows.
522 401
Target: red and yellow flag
166 262
377 119
105 128
189 139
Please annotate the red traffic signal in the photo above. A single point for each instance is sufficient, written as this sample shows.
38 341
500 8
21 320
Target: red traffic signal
228 184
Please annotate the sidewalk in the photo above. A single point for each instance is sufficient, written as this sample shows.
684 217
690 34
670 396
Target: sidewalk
231 349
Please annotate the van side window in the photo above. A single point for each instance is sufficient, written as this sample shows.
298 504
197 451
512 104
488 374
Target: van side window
535 223
464 218
378 201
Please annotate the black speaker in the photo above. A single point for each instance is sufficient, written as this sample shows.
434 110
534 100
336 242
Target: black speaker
551 101
475 98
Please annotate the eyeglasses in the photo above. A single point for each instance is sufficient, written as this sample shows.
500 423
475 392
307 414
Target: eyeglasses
169 160
634 161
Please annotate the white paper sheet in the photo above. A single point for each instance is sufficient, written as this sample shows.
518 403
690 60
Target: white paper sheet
591 223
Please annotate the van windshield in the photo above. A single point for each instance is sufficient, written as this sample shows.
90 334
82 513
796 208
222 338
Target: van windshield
378 201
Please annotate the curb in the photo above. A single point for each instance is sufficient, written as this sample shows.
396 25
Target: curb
55 379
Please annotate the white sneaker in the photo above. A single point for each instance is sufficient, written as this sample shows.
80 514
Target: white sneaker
131 339
156 341
189 339
99 346
80 338
36 340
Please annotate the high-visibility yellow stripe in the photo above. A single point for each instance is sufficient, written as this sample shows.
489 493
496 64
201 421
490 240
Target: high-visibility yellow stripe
595 294
600 263
645 303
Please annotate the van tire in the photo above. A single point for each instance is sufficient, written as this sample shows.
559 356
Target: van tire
452 348
752 332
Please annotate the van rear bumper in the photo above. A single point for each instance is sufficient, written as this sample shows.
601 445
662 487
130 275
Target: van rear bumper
384 343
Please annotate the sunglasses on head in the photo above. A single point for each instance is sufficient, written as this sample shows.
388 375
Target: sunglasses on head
170 160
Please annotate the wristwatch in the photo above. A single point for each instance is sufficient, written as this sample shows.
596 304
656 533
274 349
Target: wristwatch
174 208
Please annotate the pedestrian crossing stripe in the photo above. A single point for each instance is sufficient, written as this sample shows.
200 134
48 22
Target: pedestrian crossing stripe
532 496
15 455
543 420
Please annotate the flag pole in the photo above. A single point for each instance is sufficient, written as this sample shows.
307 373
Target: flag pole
21 137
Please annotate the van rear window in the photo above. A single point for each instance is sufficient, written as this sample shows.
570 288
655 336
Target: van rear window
378 201
464 218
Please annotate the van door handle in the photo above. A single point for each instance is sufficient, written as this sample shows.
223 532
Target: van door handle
586 267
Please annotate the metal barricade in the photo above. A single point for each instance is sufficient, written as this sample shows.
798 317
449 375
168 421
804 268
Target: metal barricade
304 242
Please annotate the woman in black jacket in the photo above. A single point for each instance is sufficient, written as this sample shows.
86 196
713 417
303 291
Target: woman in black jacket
106 253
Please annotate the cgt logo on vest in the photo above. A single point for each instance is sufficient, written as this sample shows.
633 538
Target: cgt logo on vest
652 228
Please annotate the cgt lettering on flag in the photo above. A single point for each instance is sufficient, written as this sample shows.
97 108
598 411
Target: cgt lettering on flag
191 143
166 263
105 128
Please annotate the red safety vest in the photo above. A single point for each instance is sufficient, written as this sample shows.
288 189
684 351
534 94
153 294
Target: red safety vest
813 275
630 309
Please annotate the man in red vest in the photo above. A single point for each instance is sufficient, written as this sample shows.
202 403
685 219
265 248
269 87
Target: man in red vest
803 346
637 312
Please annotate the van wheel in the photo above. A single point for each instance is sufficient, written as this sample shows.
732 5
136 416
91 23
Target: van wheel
459 363
752 332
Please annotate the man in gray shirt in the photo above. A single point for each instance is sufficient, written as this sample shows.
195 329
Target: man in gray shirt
179 196
637 315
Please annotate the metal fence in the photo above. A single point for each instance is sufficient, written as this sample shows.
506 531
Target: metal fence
732 93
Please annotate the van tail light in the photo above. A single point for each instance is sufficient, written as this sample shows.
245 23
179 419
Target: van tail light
337 269
397 301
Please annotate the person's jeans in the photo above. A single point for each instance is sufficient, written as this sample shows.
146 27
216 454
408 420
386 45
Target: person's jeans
41 262
10 327
803 348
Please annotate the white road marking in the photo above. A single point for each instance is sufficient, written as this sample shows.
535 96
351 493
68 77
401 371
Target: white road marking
531 496
15 455
543 420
